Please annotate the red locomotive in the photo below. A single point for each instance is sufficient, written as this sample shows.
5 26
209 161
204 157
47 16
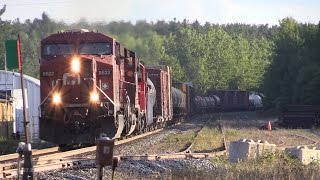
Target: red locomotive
91 84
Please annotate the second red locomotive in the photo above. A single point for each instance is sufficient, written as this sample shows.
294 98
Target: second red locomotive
91 84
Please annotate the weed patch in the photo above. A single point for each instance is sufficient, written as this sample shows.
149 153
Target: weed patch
8 146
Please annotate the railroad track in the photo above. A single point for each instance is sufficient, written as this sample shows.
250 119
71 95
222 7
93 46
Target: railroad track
313 142
51 159
35 153
185 154
156 157
188 149
282 145
222 131
77 163
59 160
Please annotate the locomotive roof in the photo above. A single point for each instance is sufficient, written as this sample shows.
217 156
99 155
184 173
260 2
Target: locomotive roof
77 34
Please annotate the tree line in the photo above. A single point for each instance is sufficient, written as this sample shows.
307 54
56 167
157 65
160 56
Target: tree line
279 61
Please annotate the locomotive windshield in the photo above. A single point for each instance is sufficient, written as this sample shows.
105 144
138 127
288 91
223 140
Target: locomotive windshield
104 48
58 49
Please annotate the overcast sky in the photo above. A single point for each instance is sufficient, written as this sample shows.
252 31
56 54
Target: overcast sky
213 11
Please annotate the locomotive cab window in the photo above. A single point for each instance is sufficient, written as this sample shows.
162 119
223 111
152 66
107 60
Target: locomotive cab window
58 49
104 48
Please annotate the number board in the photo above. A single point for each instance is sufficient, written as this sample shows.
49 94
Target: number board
105 72
46 73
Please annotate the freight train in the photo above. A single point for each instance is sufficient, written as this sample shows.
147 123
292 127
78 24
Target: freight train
91 85
235 100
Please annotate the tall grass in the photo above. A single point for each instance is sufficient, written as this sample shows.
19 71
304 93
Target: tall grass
208 140
267 167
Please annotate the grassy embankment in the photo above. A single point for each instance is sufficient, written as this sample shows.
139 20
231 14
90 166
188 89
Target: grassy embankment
270 166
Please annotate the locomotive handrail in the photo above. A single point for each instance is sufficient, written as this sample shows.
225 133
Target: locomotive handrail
105 95
39 107
127 82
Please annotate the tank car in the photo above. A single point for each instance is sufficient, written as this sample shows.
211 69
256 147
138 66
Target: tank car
90 84
204 104
185 93
255 102
217 106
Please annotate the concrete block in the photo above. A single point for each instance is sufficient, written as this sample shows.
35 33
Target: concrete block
248 149
264 147
293 151
304 154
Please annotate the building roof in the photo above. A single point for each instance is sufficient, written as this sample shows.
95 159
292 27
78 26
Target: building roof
26 77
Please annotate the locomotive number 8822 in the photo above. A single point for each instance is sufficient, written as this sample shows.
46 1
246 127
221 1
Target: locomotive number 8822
91 84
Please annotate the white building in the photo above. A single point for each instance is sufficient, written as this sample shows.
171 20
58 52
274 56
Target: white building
11 83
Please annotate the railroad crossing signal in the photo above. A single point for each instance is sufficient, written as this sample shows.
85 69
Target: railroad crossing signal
14 60
104 155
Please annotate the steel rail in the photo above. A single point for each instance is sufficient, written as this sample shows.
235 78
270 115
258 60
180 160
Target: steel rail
35 152
91 162
59 158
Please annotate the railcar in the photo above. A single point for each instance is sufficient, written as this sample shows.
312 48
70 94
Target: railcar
91 84
231 100
300 116
204 104
255 102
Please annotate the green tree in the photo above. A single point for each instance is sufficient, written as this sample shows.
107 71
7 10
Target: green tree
281 76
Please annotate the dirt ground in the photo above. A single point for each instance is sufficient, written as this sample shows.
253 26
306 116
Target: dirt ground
252 125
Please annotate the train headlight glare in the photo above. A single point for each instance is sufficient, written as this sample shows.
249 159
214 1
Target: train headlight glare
56 98
94 96
75 65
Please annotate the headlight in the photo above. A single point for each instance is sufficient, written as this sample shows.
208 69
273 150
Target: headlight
94 96
56 98
75 65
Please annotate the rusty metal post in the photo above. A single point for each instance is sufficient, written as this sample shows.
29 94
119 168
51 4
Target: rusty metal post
100 172
114 165
27 167
20 150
